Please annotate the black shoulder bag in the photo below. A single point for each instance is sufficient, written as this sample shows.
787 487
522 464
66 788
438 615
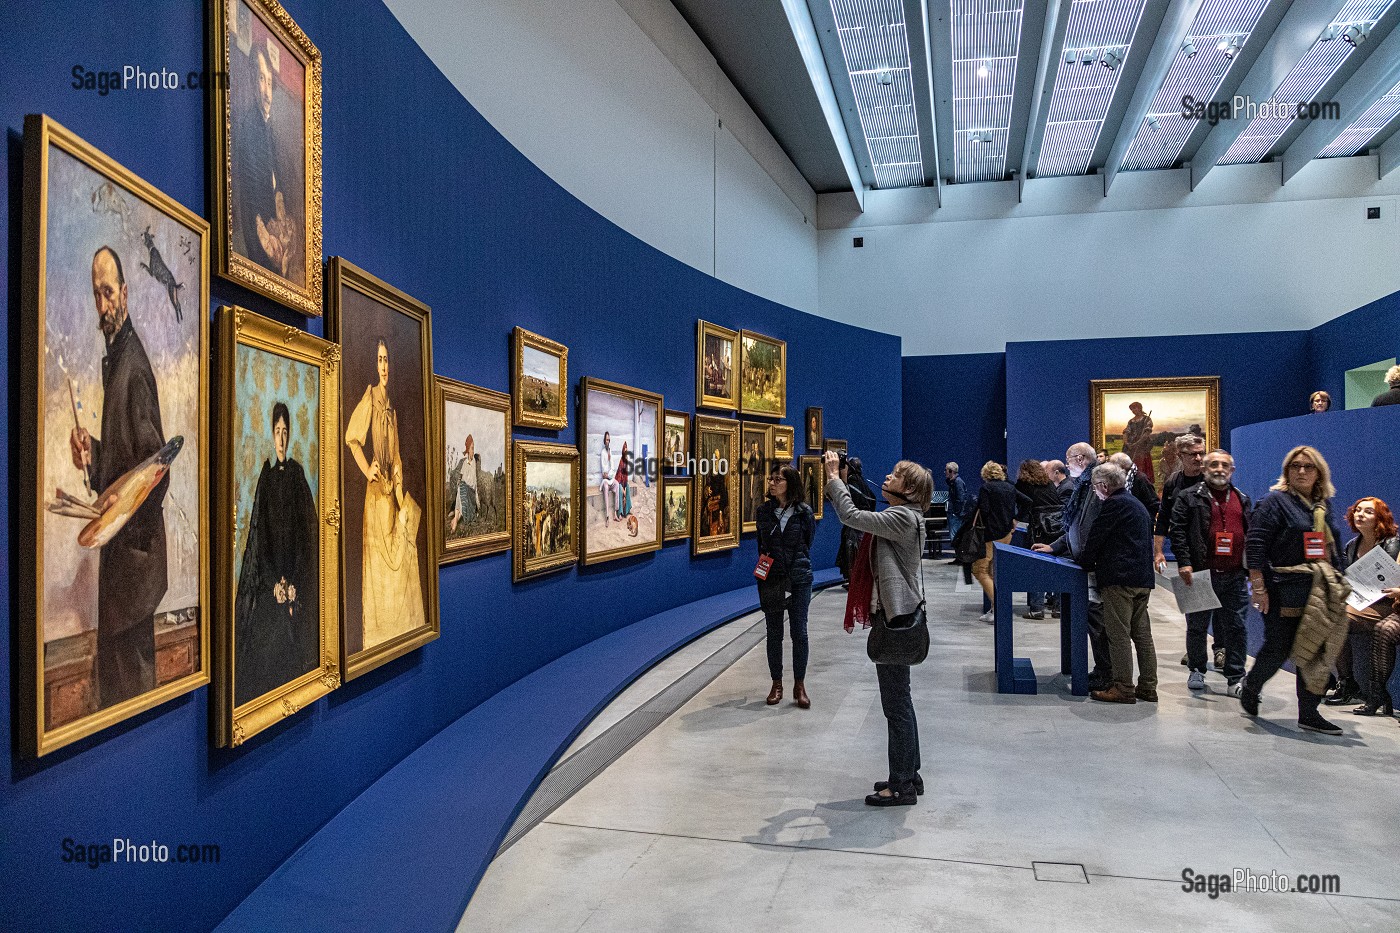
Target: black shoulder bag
971 541
902 639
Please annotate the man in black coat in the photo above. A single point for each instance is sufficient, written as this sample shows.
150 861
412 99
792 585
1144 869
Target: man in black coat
1208 527
1119 551
131 574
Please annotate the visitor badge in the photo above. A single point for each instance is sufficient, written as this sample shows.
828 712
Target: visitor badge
1314 545
1224 543
765 564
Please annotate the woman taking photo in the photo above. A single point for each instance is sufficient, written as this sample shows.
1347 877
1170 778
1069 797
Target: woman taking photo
1374 525
997 504
1041 513
886 580
1293 552
786 526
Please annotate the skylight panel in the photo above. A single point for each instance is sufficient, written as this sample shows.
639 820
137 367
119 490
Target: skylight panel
986 45
875 45
1358 135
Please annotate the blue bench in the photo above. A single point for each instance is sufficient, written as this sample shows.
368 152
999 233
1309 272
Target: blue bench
408 853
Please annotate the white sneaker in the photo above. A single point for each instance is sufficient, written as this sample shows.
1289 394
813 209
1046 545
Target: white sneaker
989 616
1197 681
1235 689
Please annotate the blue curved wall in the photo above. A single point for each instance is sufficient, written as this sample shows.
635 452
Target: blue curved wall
421 191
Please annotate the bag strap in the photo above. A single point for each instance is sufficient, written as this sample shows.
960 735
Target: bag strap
923 536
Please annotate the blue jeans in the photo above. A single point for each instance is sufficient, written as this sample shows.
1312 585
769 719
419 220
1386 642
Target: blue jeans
773 598
954 523
899 720
1232 590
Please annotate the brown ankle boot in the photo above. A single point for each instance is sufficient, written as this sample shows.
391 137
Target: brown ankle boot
776 694
1117 693
799 695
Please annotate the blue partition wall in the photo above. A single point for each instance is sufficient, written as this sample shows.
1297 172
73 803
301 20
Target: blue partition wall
421 191
955 409
1357 338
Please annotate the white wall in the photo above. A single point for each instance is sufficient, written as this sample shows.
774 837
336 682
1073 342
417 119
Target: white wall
627 121
1240 253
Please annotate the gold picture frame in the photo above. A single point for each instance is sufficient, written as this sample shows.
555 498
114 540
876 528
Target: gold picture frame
677 510
762 375
239 329
716 367
814 425
267 234
784 440
529 358
834 443
541 547
814 478
491 493
755 454
382 330
75 196
1170 407
715 526
676 444
608 411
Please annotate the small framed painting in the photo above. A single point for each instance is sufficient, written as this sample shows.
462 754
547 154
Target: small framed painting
676 494
539 371
762 375
677 441
836 444
815 433
546 509
755 452
471 435
783 437
618 431
716 499
1144 417
716 365
814 478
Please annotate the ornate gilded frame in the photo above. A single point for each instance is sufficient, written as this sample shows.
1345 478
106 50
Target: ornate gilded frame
589 384
684 418
814 462
689 483
341 274
523 568
784 443
233 725
745 405
702 400
1098 388
752 430
450 390
821 429
41 134
835 443
728 430
557 420
305 299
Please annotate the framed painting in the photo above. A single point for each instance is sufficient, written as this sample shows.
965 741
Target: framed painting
834 443
1143 417
676 426
716 499
762 375
113 403
278 529
546 509
783 441
813 477
266 152
539 371
619 428
816 435
471 436
716 361
388 573
676 495
755 452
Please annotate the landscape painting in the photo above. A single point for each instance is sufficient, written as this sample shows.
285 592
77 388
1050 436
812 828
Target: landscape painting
539 372
1144 417
618 436
546 508
763 375
473 434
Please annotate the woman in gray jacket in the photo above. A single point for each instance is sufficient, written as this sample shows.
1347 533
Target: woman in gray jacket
896 553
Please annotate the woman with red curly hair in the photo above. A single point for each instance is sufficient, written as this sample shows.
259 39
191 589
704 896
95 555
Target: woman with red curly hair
1375 527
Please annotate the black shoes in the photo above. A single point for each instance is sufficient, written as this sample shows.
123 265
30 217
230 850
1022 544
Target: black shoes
1315 723
1249 701
1372 708
1348 691
918 785
895 799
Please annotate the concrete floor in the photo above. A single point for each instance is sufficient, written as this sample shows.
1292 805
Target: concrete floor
735 815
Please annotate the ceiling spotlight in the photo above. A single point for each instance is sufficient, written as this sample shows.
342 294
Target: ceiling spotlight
1330 33
1356 33
1230 46
1152 121
979 136
1086 57
983 70
1188 48
1071 56
1111 59
884 77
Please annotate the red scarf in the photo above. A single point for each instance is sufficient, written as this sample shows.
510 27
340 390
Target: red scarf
862 587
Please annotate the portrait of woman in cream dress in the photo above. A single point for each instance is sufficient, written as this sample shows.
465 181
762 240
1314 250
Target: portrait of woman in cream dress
392 590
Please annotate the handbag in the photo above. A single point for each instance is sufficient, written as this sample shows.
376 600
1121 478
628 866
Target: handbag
904 639
1046 525
971 541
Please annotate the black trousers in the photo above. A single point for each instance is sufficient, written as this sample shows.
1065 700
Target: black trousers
1098 643
1279 632
126 662
903 728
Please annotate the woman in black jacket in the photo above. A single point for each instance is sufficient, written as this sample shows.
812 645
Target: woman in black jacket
1042 517
786 526
997 504
1290 527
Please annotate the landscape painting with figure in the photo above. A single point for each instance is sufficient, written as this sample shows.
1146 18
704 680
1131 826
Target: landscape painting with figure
118 358
763 375
475 438
546 508
677 508
1143 418
539 381
620 497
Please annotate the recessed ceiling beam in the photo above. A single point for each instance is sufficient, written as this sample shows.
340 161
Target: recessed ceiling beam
1056 23
916 31
805 32
1389 156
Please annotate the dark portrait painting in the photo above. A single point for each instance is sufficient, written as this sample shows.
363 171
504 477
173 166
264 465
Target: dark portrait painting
716 500
389 570
269 127
113 402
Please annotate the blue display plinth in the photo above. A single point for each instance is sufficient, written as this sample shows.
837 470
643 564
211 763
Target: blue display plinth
1022 571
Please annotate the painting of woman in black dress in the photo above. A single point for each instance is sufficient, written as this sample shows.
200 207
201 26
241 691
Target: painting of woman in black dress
277 610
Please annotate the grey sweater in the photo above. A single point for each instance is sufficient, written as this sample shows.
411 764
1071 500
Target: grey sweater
897 550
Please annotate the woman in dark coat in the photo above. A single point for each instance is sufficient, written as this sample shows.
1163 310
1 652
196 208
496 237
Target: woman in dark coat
277 615
786 526
997 504
1041 513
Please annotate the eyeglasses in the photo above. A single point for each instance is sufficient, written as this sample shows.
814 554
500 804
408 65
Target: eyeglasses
1303 467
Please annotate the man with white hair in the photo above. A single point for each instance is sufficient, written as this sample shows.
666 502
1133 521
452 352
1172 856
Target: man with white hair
1392 379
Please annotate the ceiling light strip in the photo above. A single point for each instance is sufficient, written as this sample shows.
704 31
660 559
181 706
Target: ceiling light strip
986 43
1358 135
875 46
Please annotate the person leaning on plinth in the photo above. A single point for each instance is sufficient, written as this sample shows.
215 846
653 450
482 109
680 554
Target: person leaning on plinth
1391 397
1319 402
887 579
1375 527
1293 551
786 526
1041 513
997 504
1077 520
1119 552
1209 524
1138 486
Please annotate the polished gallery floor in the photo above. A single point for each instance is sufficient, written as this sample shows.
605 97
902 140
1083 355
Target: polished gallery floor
1045 812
